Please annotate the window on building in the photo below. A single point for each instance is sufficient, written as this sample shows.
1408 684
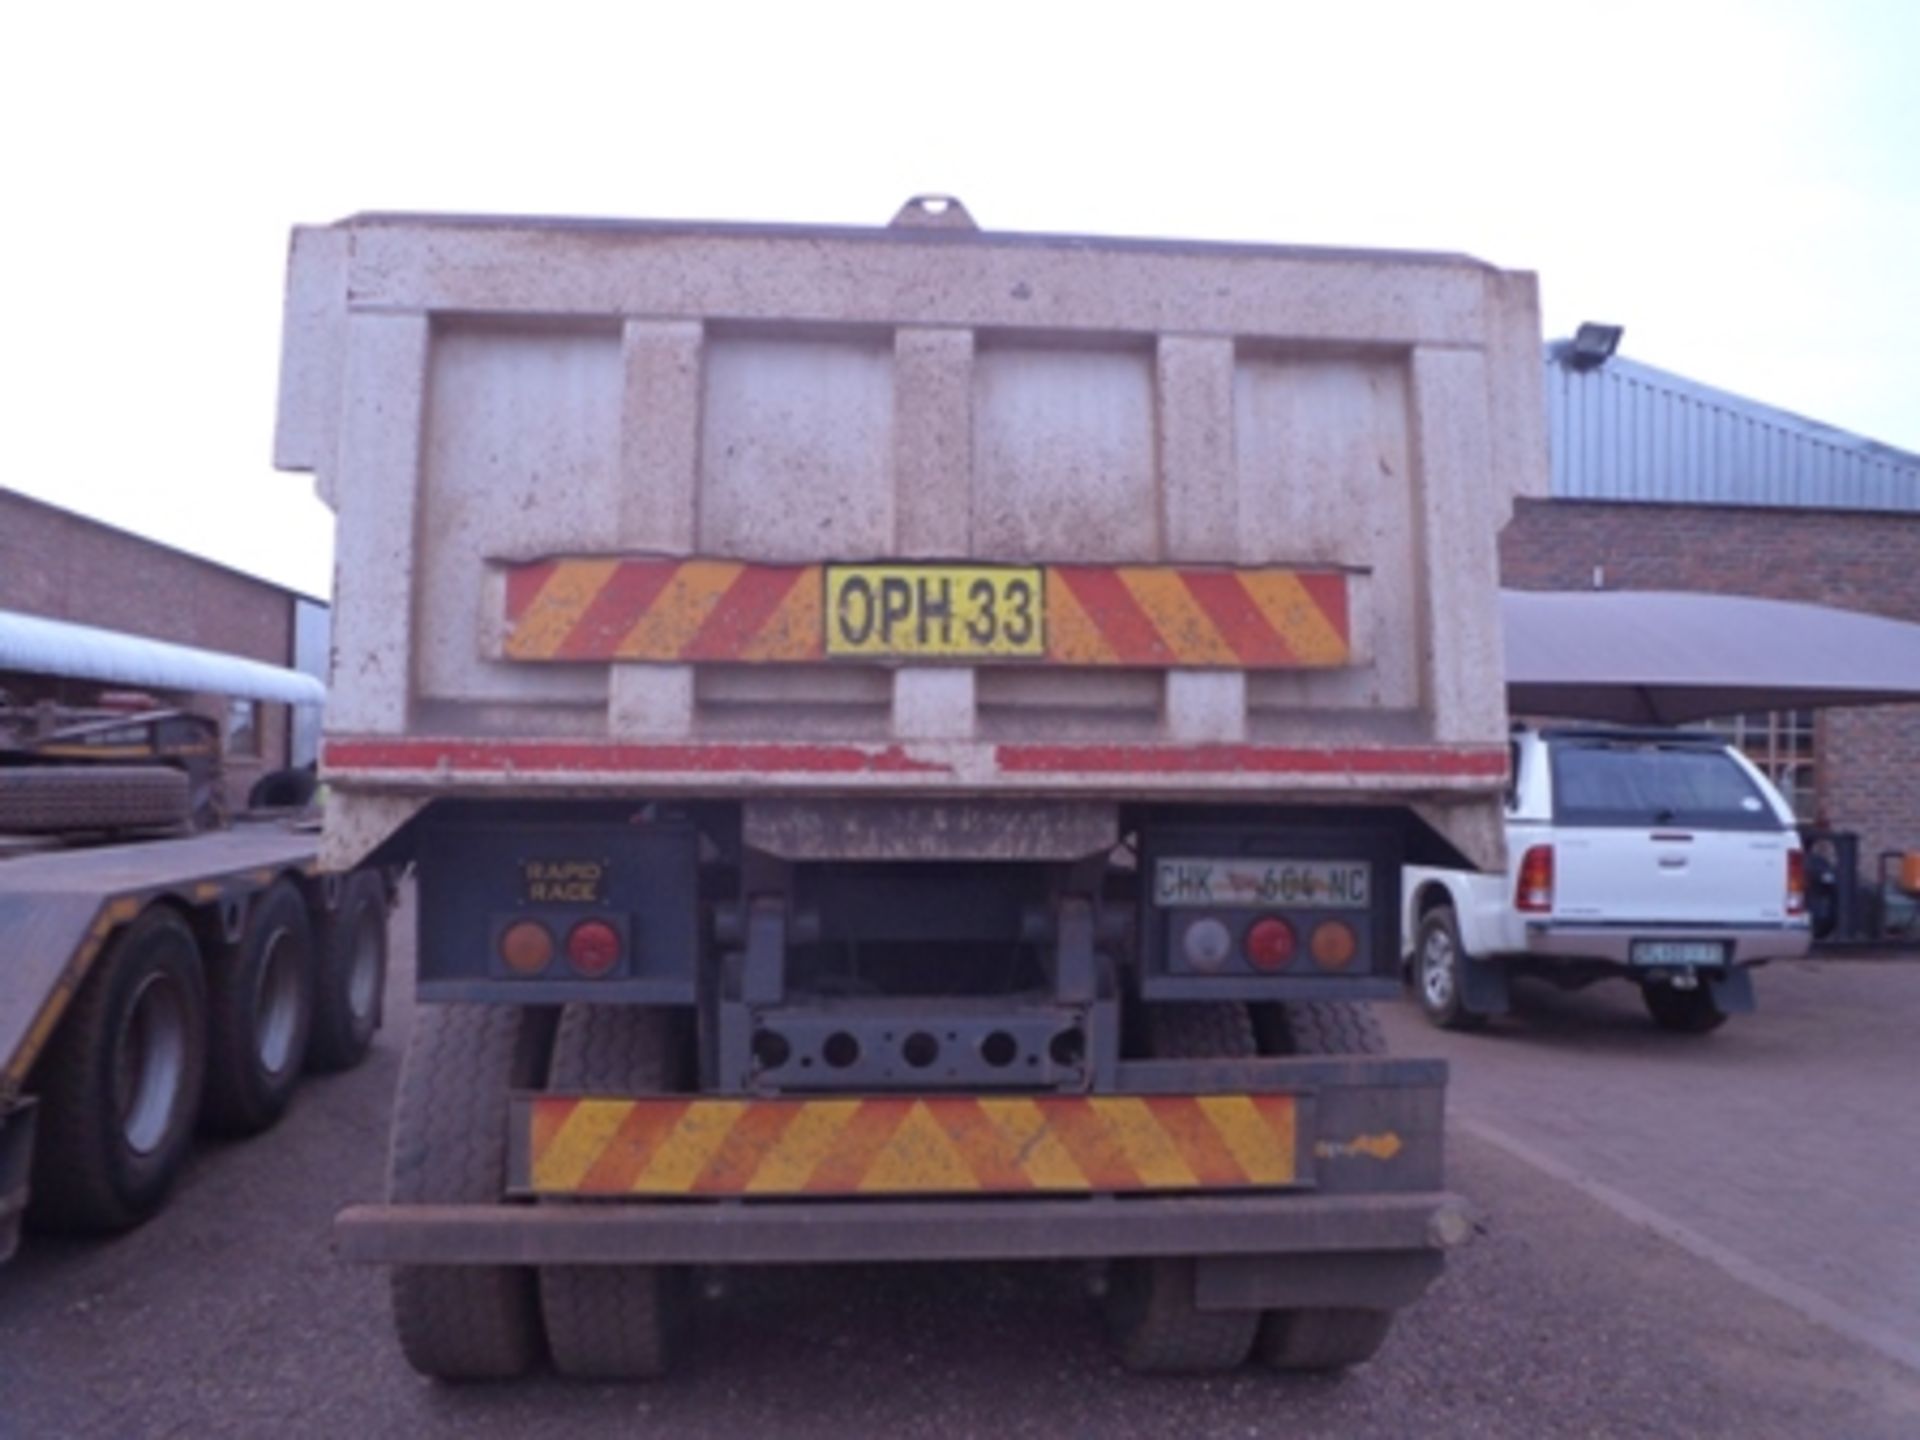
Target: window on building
1780 742
243 727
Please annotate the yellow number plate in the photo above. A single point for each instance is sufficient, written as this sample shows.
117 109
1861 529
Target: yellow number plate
952 611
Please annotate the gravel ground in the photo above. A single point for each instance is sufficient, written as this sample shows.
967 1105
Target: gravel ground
228 1316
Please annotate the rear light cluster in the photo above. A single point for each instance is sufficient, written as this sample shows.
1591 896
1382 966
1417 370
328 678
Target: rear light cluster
593 948
1270 945
1796 882
1533 891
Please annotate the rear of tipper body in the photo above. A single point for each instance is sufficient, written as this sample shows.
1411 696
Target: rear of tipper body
907 738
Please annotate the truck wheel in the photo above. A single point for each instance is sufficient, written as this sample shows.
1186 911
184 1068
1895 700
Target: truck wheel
463 1322
1686 1012
53 799
352 975
615 1322
259 1014
1151 1316
120 1086
1437 961
1321 1337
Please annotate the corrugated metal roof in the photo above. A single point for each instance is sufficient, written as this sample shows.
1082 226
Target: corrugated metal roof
38 646
1627 431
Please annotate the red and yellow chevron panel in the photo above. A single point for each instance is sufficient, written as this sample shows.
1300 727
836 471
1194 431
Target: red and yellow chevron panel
905 1145
665 610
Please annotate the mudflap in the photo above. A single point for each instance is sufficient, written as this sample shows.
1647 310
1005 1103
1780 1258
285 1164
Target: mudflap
1732 992
1484 989
16 1159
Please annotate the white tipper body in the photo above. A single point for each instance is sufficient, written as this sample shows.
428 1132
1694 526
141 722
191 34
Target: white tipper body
475 393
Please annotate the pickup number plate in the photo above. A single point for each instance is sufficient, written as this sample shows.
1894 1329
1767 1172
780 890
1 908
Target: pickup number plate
953 611
1678 952
1246 881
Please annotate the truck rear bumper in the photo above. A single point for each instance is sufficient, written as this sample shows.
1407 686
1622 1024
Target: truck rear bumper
787 1233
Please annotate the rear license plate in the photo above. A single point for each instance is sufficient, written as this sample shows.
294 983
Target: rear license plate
1244 881
1678 952
951 611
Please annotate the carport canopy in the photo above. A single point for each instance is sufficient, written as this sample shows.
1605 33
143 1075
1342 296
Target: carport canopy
1669 657
35 645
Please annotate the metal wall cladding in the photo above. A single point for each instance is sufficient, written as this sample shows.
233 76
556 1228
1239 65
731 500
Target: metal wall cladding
1626 431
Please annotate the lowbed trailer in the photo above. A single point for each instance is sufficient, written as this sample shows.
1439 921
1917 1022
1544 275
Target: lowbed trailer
909 737
161 984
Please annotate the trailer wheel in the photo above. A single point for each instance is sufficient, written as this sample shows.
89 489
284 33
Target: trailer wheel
352 975
463 1322
54 799
120 1085
1685 1012
1437 981
615 1322
1152 1318
1322 1337
260 1013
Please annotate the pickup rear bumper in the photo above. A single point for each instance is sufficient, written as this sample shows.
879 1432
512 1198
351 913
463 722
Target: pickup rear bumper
1613 944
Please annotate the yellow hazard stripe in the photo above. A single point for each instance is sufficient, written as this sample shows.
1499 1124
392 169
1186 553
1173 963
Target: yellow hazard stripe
908 1145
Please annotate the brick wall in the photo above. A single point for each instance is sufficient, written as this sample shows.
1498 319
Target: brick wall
67 567
1868 758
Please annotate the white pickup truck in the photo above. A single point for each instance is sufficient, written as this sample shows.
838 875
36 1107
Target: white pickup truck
1661 857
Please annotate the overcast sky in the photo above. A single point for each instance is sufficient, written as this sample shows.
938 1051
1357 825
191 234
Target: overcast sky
1737 184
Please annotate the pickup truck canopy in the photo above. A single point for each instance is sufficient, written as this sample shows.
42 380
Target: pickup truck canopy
1669 657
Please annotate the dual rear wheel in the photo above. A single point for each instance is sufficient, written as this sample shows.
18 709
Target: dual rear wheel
476 1322
1153 1314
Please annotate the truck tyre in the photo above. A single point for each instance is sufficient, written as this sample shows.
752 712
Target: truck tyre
1156 1326
1685 1012
1322 1337
615 1322
122 1081
259 1015
1437 980
351 976
55 799
463 1322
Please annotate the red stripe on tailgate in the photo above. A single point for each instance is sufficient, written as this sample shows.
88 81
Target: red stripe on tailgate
747 605
524 582
1239 621
621 601
1135 639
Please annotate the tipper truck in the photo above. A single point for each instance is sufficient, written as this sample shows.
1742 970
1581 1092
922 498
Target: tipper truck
908 737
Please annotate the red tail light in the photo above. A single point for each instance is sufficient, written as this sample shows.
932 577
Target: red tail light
1270 944
593 948
1796 882
1533 892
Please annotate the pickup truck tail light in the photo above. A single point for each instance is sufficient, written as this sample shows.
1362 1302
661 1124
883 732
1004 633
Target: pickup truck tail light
1533 892
1796 882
